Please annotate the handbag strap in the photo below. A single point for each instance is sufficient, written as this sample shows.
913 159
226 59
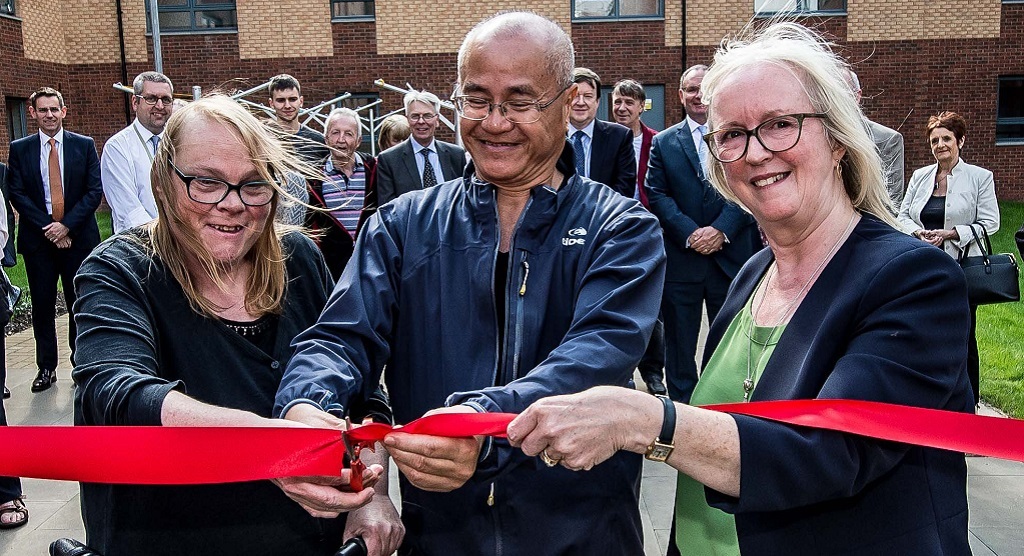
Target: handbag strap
986 248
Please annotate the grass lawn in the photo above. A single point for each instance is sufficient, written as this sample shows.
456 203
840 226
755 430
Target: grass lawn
17 272
1001 329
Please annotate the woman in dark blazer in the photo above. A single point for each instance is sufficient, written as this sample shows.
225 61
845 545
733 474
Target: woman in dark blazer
841 306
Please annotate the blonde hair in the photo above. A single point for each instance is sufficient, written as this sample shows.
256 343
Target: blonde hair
177 244
823 74
392 130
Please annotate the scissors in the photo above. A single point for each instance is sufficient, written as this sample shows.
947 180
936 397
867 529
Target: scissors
355 465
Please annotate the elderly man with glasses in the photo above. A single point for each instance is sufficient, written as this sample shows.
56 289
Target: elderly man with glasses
421 161
128 155
520 281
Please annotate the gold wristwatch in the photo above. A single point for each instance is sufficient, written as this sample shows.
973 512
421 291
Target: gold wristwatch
662 447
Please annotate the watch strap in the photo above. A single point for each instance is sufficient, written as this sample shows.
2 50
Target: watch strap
668 426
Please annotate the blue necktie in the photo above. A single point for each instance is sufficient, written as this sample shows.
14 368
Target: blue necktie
702 151
155 140
581 155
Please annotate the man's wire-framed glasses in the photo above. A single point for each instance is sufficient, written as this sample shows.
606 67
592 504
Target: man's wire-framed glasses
515 111
776 135
210 191
153 99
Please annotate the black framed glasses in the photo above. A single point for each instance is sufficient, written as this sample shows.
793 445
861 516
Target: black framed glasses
776 135
153 99
515 111
210 191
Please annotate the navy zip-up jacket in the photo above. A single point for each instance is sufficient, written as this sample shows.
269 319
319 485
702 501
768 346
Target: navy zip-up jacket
586 271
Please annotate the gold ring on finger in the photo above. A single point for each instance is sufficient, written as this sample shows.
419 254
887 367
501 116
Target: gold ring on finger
548 460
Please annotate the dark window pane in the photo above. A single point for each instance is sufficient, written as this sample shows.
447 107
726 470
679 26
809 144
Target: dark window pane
1011 98
1006 132
217 19
341 8
175 21
7 7
164 3
594 8
832 5
213 3
638 7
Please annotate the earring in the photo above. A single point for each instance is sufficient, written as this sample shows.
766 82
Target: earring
839 169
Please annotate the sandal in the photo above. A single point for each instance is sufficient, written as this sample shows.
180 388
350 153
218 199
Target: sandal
15 506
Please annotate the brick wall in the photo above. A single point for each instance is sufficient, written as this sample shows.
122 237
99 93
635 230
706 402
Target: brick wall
274 29
90 31
916 76
414 26
923 19
43 27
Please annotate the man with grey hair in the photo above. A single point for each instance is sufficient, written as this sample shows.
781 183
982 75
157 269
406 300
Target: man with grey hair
890 148
420 161
128 155
348 175
440 291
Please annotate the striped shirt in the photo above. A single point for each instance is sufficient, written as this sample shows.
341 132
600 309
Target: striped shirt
343 195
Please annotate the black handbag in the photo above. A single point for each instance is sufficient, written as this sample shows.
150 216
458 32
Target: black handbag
9 295
991 278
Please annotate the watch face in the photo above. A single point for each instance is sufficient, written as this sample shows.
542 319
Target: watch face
659 452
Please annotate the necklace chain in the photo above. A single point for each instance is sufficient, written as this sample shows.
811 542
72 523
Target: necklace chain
748 382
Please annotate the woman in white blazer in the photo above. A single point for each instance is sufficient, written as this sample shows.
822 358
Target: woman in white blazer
944 199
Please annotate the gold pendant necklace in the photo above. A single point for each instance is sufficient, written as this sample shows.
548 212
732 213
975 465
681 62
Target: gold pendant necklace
748 382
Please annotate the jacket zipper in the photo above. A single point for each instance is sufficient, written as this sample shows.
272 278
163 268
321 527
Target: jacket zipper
518 342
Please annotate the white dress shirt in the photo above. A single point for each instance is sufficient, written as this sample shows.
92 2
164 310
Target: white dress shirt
44 163
587 140
435 162
125 169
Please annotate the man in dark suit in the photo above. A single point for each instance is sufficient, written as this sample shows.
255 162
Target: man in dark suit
420 161
628 103
604 150
55 187
707 239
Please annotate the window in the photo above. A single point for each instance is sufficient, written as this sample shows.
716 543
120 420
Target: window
583 10
7 7
17 125
1010 111
351 9
194 15
769 7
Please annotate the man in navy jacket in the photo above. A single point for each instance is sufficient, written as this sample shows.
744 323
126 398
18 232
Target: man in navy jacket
519 281
55 187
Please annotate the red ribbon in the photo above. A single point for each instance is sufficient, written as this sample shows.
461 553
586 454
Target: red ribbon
204 455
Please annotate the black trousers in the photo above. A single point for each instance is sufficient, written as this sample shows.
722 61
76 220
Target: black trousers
10 487
973 360
682 307
44 267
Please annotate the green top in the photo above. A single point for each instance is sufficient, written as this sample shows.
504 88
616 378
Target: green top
701 529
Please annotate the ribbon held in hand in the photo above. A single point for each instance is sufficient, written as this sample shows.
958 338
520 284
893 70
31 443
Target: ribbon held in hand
204 455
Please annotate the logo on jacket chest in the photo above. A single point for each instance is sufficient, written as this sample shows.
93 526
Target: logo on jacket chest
575 236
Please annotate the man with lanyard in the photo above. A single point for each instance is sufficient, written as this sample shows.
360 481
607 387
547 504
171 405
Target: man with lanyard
128 155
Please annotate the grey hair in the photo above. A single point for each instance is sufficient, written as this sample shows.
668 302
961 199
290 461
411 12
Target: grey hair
689 70
152 77
425 97
560 57
342 112
823 75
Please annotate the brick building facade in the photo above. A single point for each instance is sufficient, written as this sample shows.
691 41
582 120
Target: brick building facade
914 57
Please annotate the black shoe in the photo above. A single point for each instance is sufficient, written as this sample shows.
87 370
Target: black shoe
44 380
656 388
7 393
